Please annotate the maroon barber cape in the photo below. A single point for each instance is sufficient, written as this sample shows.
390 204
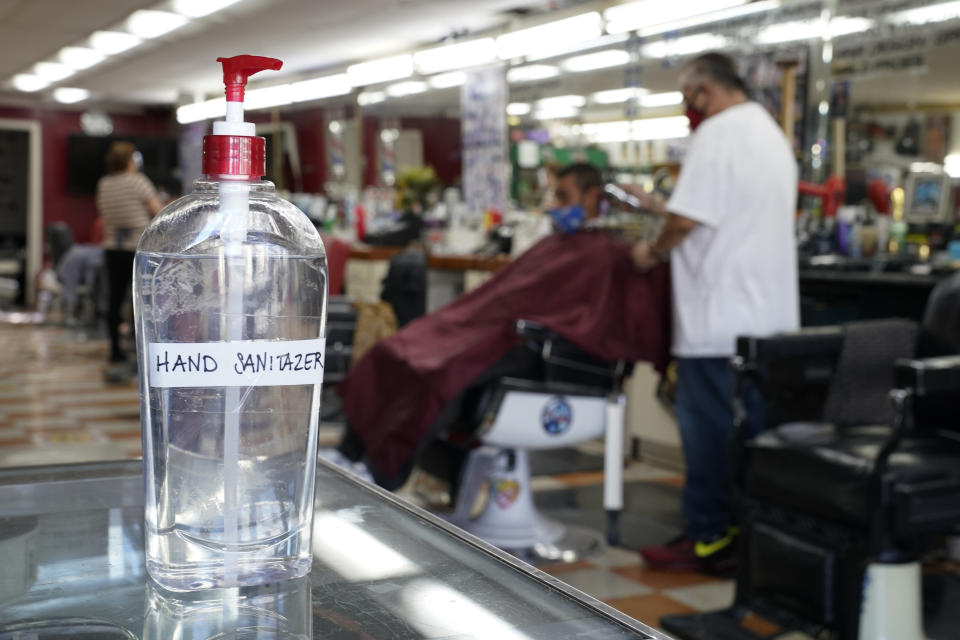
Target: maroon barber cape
582 286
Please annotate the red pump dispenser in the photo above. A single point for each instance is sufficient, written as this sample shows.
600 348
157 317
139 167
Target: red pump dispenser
234 151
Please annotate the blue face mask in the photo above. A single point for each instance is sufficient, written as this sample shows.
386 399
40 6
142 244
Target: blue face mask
568 219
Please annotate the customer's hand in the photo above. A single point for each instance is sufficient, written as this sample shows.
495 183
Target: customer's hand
643 258
649 200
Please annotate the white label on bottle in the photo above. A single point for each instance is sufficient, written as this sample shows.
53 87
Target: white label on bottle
243 363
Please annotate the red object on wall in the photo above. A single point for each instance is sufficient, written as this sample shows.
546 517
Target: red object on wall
338 252
78 210
832 192
879 194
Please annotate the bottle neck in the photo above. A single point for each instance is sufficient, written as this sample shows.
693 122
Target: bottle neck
207 183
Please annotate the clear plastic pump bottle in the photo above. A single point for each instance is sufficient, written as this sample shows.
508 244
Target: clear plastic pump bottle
230 291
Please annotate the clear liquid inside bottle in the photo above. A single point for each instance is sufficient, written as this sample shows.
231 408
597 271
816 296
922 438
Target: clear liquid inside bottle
229 468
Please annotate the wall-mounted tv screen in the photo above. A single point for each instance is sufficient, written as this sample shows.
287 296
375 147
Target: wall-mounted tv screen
87 161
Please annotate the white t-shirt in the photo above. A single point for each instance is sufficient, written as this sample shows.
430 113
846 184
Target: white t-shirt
736 273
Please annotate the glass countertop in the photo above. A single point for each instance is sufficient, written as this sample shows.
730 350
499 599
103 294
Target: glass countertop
72 566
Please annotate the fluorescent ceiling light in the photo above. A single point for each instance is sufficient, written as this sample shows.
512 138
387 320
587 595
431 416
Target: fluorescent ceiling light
598 60
518 109
200 8
70 95
447 80
556 113
566 49
456 56
318 88
29 82
809 29
112 42
661 128
548 37
668 99
80 57
267 97
532 73
407 88
639 130
685 46
923 15
645 14
371 97
52 71
561 101
215 108
383 70
616 96
147 23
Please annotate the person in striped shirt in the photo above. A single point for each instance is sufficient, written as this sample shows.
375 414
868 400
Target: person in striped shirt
126 201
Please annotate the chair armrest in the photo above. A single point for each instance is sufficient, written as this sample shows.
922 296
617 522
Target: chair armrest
804 344
929 376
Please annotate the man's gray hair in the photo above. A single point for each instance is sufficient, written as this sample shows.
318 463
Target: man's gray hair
716 67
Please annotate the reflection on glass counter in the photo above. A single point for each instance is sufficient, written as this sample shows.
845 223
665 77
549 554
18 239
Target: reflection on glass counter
264 612
71 548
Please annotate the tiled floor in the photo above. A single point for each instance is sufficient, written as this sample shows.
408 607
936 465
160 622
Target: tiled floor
55 406
619 576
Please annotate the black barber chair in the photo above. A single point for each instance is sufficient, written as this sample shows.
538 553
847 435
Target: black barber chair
837 513
341 324
545 394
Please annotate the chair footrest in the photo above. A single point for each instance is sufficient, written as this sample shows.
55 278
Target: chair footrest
932 507
728 624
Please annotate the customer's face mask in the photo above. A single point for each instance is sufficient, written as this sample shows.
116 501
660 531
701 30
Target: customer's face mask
568 219
570 214
138 159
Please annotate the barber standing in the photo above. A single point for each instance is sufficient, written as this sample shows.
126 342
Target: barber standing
729 237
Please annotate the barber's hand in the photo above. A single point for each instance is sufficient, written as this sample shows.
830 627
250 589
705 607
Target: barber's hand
650 201
642 257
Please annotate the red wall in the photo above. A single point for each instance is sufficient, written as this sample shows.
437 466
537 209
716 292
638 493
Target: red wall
78 211
442 145
311 128
441 150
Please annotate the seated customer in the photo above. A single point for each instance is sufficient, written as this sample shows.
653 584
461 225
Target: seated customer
581 285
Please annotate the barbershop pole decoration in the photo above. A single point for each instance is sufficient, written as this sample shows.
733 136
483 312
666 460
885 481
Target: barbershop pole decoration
336 145
483 104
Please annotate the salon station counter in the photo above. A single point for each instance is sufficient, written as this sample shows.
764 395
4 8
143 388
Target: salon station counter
448 276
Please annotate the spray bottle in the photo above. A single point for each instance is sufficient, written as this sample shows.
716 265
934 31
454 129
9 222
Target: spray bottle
230 291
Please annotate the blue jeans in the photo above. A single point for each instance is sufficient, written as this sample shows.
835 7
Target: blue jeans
705 417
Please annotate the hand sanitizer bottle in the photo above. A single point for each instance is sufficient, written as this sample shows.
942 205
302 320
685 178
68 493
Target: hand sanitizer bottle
230 292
